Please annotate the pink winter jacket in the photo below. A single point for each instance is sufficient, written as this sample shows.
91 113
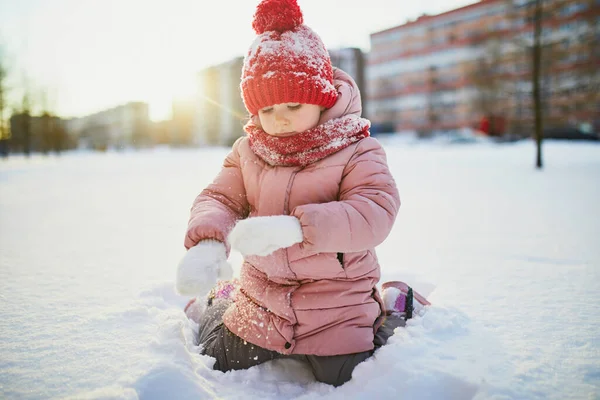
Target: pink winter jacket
316 297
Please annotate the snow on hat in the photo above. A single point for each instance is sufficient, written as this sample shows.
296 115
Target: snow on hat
287 62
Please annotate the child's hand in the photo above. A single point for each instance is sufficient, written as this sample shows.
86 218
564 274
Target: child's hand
201 267
261 236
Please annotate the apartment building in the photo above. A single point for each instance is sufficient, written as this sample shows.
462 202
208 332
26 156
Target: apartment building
220 111
180 129
455 69
127 125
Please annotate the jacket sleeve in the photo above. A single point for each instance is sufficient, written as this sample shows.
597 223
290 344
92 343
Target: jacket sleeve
365 213
216 210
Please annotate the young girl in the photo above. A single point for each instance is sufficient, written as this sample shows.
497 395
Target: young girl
305 196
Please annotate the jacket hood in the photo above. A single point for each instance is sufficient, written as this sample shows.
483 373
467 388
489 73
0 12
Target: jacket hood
348 101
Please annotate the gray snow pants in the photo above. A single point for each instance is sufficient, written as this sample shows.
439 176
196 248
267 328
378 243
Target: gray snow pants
232 352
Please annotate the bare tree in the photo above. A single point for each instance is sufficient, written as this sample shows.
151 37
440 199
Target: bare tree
25 123
51 129
527 19
45 128
21 121
487 77
4 133
558 39
535 77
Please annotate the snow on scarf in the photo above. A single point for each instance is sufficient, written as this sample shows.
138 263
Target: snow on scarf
309 146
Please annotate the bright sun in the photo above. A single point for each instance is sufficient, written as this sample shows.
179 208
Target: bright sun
102 54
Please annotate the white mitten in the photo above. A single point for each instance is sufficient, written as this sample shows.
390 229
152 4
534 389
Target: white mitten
263 235
201 267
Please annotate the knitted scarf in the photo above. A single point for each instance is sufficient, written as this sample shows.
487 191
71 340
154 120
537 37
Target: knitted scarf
309 146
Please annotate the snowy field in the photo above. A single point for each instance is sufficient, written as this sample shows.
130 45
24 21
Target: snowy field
89 245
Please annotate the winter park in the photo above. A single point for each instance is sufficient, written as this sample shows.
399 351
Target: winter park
284 199
90 244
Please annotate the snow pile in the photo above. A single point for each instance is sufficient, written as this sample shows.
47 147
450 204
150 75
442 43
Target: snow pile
442 354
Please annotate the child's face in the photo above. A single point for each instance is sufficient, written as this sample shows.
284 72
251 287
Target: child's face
288 119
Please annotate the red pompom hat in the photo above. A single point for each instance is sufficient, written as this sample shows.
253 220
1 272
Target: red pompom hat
287 63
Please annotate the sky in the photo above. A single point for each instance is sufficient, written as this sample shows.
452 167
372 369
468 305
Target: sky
91 242
81 56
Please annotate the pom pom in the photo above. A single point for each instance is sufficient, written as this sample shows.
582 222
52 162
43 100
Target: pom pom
277 15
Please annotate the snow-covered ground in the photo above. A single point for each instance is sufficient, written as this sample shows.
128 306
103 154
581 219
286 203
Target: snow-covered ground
89 244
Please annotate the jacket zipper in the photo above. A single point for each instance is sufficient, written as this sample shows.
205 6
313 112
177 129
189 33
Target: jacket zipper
286 211
286 201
